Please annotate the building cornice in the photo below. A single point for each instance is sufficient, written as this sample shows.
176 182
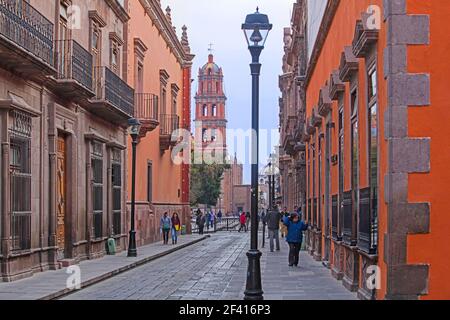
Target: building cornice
119 10
159 20
327 20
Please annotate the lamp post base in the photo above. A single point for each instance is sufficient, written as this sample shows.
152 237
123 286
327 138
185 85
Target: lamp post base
254 290
132 251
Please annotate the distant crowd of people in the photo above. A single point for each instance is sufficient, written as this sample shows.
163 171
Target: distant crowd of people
208 220
280 224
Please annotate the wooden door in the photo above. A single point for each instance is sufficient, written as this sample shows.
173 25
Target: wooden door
61 197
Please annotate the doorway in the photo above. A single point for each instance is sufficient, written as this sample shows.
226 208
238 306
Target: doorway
61 197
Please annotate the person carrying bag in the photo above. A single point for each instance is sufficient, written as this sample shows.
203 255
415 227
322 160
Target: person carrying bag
176 227
166 225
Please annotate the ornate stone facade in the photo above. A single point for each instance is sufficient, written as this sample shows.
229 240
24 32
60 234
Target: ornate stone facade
292 112
68 85
371 121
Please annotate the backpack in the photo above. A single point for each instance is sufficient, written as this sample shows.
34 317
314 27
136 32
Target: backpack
166 224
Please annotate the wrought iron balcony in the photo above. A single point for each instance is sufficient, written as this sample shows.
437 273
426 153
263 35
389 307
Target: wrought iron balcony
368 223
74 65
335 219
147 111
168 124
349 234
26 40
114 98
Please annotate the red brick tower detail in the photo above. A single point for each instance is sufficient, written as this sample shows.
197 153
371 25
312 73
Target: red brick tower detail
210 115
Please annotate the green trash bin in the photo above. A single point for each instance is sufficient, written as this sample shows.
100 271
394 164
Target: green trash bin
111 246
183 229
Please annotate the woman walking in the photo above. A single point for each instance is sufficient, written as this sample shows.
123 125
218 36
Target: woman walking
176 227
242 220
166 225
295 229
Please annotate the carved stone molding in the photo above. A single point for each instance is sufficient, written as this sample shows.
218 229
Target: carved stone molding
336 85
349 65
310 129
316 120
325 103
140 48
364 37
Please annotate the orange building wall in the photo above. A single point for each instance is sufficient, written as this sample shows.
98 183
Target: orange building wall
340 35
166 175
429 122
433 121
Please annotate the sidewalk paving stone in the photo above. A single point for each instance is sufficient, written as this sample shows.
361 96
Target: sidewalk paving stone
52 284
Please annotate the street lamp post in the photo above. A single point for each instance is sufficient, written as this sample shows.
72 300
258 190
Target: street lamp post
256 29
134 128
270 187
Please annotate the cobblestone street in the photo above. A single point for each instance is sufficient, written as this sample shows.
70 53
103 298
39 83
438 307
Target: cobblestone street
215 269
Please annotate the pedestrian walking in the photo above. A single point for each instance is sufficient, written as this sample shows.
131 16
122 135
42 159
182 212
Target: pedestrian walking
247 221
294 237
219 216
272 219
208 219
284 214
176 227
201 220
212 219
243 221
166 226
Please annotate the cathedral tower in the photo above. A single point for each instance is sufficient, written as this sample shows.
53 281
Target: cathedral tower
210 115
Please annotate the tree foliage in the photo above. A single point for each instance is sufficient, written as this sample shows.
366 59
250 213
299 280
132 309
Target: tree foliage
205 183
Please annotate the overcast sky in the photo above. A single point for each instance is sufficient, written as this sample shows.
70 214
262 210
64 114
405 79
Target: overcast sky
219 22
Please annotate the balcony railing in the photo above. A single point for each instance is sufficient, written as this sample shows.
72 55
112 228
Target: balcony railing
168 124
349 220
111 88
334 218
368 224
73 62
146 107
26 27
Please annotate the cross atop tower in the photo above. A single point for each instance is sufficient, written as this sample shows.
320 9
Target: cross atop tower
211 48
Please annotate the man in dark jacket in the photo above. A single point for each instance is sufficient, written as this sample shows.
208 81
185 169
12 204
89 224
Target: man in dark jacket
201 220
272 219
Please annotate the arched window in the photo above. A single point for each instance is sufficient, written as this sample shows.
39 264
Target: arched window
214 111
205 110
217 87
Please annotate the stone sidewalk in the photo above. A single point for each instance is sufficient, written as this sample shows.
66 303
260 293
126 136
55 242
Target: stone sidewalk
310 281
52 284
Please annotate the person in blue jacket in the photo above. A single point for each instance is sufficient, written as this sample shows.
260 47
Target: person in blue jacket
294 237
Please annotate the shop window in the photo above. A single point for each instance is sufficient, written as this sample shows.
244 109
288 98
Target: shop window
20 181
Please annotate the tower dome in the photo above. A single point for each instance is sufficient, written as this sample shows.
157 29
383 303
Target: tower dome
211 66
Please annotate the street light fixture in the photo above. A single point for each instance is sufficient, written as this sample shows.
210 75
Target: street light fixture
270 186
256 29
134 127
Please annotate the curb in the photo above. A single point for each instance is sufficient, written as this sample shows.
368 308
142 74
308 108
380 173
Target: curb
103 277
